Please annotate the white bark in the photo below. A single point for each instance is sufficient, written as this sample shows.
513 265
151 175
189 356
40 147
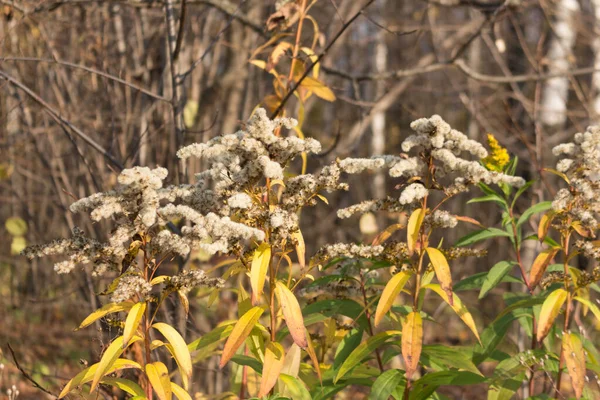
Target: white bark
555 94
378 122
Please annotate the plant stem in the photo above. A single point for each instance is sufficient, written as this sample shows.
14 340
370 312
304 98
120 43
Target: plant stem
567 312
368 315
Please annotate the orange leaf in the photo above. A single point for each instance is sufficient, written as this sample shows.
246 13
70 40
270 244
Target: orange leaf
442 271
292 314
313 356
386 233
274 357
389 294
540 264
550 309
240 332
412 342
413 228
575 359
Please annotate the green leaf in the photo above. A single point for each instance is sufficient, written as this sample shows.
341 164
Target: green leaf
386 383
495 276
347 346
295 387
505 390
534 209
247 361
488 198
217 335
425 386
336 307
363 350
481 234
125 385
87 374
451 357
476 281
521 190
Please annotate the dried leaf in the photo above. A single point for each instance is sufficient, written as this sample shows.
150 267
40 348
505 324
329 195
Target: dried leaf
575 360
412 342
539 266
276 55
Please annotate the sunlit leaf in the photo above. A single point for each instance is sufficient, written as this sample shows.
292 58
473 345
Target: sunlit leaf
385 384
544 225
105 310
459 308
495 276
300 247
412 342
110 356
158 375
483 234
274 358
125 385
240 332
575 360
413 228
292 314
313 356
389 294
442 271
386 233
318 88
180 392
133 321
87 374
591 306
258 270
16 226
180 349
540 264
550 309
295 388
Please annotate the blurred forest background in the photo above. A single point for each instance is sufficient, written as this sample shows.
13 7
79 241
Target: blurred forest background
88 87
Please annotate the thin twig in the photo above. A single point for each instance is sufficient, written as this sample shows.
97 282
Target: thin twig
26 374
319 58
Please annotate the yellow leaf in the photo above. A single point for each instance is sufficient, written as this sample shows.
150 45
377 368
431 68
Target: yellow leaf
575 360
292 314
240 332
274 358
17 245
544 225
87 374
258 270
275 56
105 310
133 321
158 279
386 233
459 308
310 349
413 228
110 356
590 306
125 385
184 301
180 392
158 375
539 266
389 294
442 271
323 199
190 111
318 88
550 309
300 247
180 349
412 342
16 226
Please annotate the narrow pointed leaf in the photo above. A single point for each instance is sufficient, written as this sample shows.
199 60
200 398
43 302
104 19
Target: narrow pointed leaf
107 309
180 349
300 247
412 229
110 356
442 271
362 351
544 225
125 385
318 88
158 375
550 309
575 360
240 332
386 233
412 342
87 374
540 264
258 270
313 356
274 358
389 294
459 308
292 314
385 384
180 392
295 388
591 306
133 321
495 276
